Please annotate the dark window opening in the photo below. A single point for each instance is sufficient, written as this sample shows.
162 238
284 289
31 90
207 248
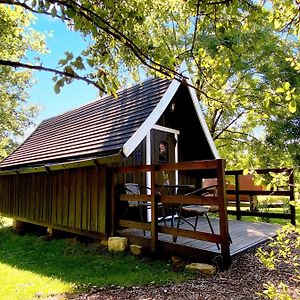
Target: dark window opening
163 152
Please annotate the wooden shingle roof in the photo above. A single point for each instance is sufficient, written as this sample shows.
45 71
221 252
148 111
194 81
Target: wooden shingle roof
97 129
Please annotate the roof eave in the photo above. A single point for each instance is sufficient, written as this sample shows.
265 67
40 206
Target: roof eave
48 167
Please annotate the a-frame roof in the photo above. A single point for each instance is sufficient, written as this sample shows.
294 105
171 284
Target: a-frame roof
99 128
104 127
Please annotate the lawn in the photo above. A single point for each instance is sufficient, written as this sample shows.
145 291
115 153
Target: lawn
33 268
262 204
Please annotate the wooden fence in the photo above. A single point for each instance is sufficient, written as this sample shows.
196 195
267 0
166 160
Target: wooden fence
217 167
287 191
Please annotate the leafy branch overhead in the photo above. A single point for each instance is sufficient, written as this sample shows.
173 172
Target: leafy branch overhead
156 35
244 55
99 19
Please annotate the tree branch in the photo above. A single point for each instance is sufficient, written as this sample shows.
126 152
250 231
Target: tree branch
217 2
242 133
27 7
228 125
232 139
15 64
116 33
212 129
90 16
217 119
104 25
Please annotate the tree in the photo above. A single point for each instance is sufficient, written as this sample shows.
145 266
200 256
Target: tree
244 70
154 33
16 39
244 54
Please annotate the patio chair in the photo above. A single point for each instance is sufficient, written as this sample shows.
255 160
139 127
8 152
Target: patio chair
197 210
135 189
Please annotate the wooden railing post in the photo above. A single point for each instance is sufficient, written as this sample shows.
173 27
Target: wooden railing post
292 196
154 225
225 245
237 197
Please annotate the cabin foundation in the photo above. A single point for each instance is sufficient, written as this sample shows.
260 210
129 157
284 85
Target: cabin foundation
22 228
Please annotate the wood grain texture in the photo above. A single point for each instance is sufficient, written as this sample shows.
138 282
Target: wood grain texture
74 198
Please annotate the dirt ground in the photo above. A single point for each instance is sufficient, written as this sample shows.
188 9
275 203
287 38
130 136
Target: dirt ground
242 281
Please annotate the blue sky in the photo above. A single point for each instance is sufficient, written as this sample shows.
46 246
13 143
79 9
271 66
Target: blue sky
42 93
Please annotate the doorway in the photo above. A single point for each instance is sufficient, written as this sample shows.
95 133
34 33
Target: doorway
162 148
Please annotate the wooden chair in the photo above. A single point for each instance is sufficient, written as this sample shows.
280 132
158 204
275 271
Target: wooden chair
197 210
135 189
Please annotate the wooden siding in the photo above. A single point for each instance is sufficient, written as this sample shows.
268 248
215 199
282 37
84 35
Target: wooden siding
74 198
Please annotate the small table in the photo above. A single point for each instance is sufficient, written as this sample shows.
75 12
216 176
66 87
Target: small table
176 189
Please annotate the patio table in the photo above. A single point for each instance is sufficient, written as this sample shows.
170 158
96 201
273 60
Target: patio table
176 189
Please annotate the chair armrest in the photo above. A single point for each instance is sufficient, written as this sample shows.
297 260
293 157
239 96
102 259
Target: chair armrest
203 191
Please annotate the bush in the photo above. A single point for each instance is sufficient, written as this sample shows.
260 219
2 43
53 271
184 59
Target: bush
283 254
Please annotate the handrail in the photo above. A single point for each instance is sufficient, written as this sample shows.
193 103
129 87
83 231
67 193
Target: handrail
220 201
207 200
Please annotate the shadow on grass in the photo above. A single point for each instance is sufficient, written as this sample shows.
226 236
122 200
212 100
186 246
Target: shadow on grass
81 264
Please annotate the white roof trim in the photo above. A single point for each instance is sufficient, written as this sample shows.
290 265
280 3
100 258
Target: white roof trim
200 114
150 122
145 128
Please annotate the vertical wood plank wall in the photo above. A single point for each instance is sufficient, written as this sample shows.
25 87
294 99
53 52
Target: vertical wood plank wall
75 198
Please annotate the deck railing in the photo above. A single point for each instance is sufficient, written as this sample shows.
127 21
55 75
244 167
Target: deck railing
288 191
217 167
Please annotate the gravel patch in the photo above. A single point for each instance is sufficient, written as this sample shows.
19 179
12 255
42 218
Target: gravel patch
243 280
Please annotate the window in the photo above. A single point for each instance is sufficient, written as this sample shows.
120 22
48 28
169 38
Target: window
163 152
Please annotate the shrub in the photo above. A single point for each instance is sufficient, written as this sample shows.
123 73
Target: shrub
283 254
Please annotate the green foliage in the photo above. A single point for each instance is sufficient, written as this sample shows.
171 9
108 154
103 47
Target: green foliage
280 292
16 39
65 266
284 250
244 55
263 206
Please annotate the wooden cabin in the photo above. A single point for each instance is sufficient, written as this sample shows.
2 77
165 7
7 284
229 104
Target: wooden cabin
69 173
60 176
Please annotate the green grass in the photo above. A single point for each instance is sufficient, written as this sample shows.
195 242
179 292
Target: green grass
20 284
262 200
30 267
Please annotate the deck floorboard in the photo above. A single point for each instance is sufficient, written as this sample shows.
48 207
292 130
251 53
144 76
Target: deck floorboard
244 235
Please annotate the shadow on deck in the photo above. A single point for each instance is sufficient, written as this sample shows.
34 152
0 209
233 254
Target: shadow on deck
244 235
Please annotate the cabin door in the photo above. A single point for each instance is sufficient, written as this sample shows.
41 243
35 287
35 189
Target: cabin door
164 146
161 147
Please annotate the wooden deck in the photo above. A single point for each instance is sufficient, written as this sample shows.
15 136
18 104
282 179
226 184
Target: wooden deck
244 235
